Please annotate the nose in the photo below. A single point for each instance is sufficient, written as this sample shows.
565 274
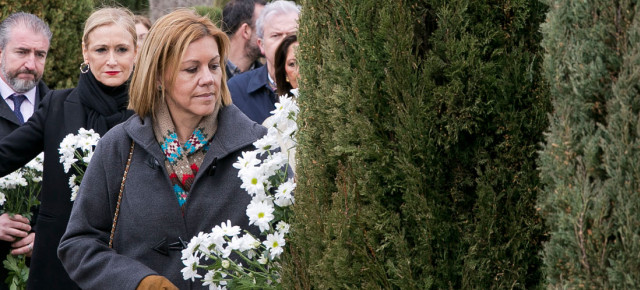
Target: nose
30 63
207 78
112 59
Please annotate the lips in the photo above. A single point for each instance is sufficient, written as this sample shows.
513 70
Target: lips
112 73
205 95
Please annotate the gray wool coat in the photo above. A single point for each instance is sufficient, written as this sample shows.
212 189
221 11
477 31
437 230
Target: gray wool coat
150 224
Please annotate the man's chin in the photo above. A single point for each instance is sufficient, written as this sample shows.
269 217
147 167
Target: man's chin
22 85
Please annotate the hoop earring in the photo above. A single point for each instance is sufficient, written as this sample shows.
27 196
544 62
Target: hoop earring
84 67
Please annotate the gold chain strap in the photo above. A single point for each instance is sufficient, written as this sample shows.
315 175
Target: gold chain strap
124 178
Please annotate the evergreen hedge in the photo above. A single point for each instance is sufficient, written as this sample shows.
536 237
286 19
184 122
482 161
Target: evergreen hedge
419 125
590 162
66 21
136 6
214 13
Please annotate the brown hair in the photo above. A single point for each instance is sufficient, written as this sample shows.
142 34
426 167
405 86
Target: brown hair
164 48
142 20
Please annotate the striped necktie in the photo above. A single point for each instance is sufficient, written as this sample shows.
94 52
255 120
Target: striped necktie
17 102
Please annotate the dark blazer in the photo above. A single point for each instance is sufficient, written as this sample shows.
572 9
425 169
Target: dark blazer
251 94
8 123
8 120
60 113
256 64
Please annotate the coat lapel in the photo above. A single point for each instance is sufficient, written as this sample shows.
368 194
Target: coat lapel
7 113
74 117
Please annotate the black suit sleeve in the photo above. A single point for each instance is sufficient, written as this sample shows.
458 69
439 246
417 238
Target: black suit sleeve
26 142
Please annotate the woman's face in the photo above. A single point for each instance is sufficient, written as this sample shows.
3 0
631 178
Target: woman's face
291 65
110 53
141 31
196 88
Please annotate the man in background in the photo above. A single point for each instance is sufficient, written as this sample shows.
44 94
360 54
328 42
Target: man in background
24 44
239 23
253 92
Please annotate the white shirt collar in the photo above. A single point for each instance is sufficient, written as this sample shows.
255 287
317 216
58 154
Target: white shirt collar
6 91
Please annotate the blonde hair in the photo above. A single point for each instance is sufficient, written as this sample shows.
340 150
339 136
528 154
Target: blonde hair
107 16
164 48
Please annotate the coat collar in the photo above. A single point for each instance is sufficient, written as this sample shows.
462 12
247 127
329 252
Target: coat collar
74 117
259 79
235 131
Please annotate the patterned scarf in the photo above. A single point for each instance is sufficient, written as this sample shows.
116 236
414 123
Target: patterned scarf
183 161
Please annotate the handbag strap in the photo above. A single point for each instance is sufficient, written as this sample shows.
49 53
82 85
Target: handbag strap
124 178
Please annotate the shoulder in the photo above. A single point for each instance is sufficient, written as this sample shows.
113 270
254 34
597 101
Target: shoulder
42 89
235 127
116 137
241 80
58 95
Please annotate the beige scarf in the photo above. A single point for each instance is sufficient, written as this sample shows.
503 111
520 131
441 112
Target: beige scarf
183 161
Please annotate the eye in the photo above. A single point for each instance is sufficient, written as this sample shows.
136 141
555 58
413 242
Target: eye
192 69
214 66
41 54
101 50
122 49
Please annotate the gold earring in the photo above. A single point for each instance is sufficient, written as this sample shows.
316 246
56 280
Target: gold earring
287 79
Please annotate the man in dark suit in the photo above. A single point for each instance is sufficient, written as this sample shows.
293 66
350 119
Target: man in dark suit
24 43
253 92
239 23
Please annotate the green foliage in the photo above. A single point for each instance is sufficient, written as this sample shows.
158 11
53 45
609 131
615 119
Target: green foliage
136 6
590 164
214 13
66 21
18 271
416 158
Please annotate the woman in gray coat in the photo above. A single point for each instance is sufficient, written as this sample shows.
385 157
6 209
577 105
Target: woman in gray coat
186 135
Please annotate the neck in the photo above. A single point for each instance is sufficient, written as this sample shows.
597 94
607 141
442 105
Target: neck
185 127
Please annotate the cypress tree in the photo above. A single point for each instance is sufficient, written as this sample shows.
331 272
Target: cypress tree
214 13
137 6
590 162
66 21
417 145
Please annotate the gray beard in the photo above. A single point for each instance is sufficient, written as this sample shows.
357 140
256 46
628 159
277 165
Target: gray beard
17 84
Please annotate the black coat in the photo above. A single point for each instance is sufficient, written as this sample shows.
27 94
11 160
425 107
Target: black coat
8 123
59 114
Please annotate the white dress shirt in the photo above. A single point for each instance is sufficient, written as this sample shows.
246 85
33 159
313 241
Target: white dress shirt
27 107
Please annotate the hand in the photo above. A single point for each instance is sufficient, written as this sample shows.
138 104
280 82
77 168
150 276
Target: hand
156 282
13 227
24 246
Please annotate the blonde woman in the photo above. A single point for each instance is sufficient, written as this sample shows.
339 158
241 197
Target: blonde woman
99 102
185 136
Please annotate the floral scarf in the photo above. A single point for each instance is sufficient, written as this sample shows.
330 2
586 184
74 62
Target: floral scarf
183 161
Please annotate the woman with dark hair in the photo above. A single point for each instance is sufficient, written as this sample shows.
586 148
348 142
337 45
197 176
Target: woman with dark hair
286 66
